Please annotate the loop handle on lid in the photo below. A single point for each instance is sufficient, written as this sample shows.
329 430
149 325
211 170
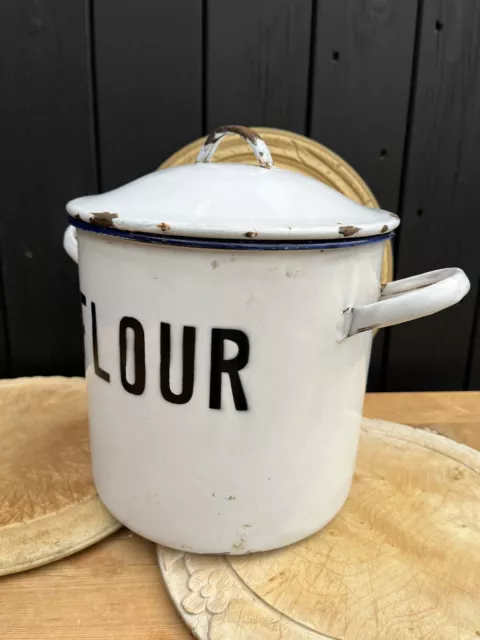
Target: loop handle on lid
258 146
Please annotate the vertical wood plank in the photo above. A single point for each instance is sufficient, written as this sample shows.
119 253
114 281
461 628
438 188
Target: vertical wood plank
4 346
361 86
149 83
440 221
473 369
258 63
46 158
361 78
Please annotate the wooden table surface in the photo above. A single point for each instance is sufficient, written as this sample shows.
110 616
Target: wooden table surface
113 591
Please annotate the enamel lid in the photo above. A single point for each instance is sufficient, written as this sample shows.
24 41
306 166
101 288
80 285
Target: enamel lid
232 201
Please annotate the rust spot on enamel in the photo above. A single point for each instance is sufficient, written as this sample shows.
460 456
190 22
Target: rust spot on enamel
370 328
103 219
164 226
245 132
384 229
348 231
251 234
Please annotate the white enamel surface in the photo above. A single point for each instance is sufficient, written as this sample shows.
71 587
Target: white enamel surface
223 200
70 243
411 298
228 481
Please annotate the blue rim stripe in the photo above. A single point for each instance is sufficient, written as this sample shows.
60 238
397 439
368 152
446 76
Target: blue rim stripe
214 243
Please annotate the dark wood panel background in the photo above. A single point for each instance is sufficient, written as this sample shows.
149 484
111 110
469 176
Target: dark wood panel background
148 81
358 108
46 157
440 221
98 92
257 63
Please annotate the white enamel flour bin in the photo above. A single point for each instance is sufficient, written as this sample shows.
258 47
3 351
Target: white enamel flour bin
228 313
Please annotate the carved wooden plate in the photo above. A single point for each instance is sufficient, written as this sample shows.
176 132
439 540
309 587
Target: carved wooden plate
48 505
296 153
400 562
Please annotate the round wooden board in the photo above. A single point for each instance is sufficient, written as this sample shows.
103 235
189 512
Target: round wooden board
296 153
49 508
401 561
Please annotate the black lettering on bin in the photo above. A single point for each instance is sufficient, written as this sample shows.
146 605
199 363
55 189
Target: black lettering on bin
188 364
138 386
101 373
232 367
